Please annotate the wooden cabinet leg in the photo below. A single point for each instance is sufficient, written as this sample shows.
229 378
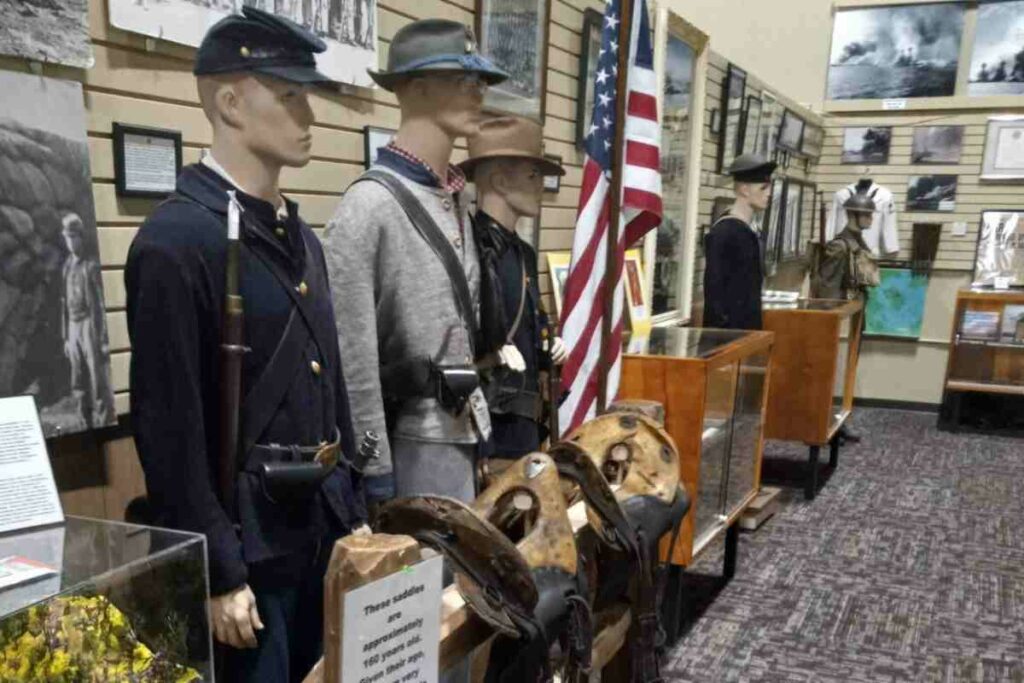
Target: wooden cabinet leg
732 541
833 452
811 483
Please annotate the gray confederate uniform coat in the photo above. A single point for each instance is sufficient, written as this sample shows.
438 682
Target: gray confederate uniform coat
394 300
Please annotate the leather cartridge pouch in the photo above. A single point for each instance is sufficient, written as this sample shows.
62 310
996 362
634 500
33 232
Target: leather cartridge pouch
453 386
297 479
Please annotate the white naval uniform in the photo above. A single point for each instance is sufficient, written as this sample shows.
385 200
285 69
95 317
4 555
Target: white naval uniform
883 236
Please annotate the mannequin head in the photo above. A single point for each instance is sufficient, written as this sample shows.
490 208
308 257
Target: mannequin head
860 212
508 189
754 195
449 102
858 222
265 116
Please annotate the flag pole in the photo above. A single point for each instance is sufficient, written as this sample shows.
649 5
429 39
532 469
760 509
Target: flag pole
611 271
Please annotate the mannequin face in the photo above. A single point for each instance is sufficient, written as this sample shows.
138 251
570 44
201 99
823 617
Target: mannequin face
755 194
269 116
452 101
522 186
860 221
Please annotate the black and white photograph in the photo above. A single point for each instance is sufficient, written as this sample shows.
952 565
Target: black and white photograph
793 220
937 145
513 35
768 137
791 132
733 90
751 124
866 145
895 52
590 45
676 116
1000 250
53 330
46 31
931 193
997 60
349 27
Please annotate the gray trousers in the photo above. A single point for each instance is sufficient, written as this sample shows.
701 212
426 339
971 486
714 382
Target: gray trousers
440 469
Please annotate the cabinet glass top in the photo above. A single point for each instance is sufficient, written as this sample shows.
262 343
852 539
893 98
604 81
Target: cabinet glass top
84 552
683 342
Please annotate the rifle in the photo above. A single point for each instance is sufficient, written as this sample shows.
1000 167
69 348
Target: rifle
231 350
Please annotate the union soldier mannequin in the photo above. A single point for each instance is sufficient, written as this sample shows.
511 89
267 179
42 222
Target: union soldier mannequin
269 549
507 164
85 333
406 274
847 268
734 274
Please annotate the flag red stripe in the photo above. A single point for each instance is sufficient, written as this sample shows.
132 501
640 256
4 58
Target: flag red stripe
642 154
643 105
582 269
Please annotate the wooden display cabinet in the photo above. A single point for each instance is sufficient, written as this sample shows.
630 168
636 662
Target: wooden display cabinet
813 375
713 386
986 351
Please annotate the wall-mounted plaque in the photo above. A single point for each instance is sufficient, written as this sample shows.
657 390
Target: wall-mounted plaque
146 161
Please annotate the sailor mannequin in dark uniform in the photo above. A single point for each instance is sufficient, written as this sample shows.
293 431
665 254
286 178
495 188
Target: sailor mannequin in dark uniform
734 274
507 165
269 547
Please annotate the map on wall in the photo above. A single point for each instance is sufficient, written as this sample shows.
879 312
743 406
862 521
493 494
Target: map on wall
53 327
896 306
349 27
46 31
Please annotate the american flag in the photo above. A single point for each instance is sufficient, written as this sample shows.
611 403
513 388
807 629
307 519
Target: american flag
583 307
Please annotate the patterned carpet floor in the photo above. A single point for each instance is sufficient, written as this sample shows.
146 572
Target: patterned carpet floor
909 566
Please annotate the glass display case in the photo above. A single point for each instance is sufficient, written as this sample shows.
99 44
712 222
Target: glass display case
712 384
984 384
121 603
814 369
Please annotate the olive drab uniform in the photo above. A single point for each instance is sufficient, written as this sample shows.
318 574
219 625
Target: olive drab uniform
847 268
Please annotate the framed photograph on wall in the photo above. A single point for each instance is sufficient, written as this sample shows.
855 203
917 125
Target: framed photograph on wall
937 145
792 221
999 255
996 67
769 134
931 193
896 51
814 140
1004 149
729 142
637 303
866 145
773 222
558 267
590 48
513 34
751 125
791 132
373 139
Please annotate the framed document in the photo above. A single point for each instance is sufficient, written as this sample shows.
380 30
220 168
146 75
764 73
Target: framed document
514 35
1000 252
146 161
1004 149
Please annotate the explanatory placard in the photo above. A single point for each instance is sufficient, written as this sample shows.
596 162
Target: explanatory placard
28 494
391 628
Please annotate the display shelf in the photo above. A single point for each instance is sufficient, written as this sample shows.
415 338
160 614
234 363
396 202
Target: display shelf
985 357
123 598
713 385
813 375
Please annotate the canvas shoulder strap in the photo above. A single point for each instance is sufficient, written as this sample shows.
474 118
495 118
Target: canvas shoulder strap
431 233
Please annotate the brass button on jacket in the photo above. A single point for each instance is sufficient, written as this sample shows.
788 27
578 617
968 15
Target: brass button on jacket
315 367
302 289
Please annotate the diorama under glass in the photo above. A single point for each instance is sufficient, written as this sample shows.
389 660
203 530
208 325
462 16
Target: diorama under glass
713 385
124 603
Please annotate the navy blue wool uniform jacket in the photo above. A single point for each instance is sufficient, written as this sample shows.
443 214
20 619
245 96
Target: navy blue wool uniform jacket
175 287
733 276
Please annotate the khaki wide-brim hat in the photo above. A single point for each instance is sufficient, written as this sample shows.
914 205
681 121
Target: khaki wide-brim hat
509 137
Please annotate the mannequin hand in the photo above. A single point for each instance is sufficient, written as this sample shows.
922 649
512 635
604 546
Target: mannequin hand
510 357
234 616
559 351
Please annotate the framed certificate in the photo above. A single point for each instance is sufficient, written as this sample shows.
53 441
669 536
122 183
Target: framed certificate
146 161
1004 149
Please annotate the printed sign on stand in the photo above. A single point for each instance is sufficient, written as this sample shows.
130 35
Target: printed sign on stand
391 628
28 493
